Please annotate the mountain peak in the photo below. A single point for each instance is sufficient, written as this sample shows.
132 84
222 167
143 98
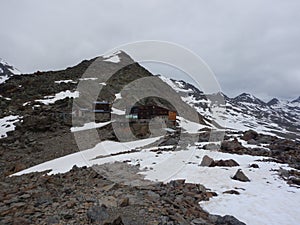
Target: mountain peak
248 98
273 101
296 100
6 71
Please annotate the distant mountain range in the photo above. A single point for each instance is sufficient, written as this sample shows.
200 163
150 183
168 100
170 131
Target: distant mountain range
245 111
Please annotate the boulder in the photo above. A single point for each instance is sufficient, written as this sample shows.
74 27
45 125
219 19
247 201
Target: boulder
211 146
249 135
252 142
232 192
206 161
233 146
240 176
225 163
124 202
229 220
254 166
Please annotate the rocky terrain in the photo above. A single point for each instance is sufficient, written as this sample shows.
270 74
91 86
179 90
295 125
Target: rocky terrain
36 121
82 196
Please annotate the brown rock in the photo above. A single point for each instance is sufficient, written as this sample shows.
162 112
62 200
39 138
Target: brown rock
124 202
249 135
225 163
211 194
18 167
232 192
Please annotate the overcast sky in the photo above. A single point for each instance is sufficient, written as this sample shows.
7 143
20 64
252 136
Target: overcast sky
252 46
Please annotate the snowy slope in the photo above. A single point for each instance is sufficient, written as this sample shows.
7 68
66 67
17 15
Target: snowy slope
7 124
7 71
267 199
245 111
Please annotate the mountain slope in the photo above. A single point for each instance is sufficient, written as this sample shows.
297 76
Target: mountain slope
245 111
7 71
41 105
39 135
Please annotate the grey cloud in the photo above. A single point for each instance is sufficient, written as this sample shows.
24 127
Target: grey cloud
253 46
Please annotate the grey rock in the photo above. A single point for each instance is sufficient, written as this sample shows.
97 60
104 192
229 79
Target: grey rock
97 214
240 176
232 192
225 163
252 142
229 220
198 221
225 220
206 161
211 146
250 135
254 166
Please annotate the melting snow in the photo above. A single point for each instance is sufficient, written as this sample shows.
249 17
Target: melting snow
189 126
7 124
113 59
88 78
59 96
88 126
8 99
3 79
84 158
117 111
65 81
118 96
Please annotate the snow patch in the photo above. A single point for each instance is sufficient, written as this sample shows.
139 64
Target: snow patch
88 126
59 96
113 59
85 158
7 124
3 78
189 126
118 96
65 81
117 111
88 78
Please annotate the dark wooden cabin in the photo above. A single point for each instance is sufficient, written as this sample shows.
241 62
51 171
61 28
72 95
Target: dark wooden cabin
101 107
150 111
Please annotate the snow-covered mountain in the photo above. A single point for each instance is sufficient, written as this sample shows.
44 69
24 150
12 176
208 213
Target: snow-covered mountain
6 71
244 112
